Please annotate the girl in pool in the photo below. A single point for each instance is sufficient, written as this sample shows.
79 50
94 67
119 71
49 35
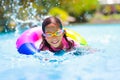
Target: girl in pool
54 37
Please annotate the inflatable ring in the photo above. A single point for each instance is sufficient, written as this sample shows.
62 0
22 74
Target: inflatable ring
76 36
26 43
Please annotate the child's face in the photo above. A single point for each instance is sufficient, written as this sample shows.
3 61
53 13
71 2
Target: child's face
54 35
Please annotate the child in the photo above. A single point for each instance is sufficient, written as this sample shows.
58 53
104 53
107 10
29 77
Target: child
54 37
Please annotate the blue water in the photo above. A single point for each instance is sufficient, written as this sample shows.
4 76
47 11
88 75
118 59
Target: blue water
100 65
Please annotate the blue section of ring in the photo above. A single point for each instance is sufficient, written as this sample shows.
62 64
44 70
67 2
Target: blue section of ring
27 48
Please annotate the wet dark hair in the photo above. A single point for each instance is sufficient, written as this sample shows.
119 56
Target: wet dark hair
44 43
48 20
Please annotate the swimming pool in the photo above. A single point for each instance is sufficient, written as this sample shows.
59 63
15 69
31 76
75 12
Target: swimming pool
102 65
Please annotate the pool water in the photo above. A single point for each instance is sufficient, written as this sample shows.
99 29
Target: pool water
100 65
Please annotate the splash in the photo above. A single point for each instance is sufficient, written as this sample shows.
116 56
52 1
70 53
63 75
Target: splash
47 56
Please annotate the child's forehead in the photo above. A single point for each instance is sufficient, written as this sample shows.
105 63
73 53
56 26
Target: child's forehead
52 28
52 25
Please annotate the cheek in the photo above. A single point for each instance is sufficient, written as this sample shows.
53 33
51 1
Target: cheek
61 37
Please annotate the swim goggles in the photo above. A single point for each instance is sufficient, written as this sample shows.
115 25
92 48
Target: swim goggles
57 33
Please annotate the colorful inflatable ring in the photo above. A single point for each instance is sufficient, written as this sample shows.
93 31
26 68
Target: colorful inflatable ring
26 43
76 36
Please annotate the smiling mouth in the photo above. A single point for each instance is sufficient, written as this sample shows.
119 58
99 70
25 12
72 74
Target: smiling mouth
55 42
